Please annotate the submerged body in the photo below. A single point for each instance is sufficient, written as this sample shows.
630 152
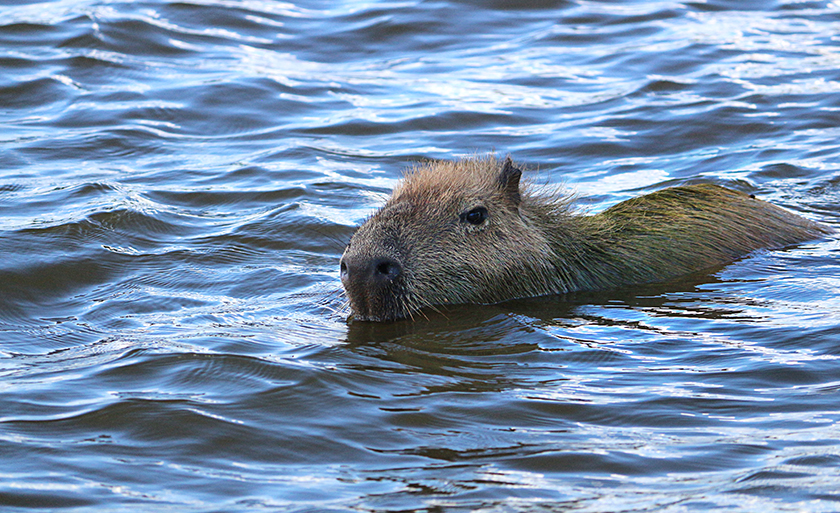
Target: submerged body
467 232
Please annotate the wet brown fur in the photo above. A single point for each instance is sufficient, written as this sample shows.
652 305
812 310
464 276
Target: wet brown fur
534 244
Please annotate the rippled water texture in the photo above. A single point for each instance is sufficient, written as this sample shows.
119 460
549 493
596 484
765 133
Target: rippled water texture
177 183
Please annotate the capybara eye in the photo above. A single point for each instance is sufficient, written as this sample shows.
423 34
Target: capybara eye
475 216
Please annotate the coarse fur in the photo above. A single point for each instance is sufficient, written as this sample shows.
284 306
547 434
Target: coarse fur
467 231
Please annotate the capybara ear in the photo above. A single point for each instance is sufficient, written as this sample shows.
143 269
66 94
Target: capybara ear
509 181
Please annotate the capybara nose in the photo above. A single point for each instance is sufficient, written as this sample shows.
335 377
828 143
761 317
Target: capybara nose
375 271
385 269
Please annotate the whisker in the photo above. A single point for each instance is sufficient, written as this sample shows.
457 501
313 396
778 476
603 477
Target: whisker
435 309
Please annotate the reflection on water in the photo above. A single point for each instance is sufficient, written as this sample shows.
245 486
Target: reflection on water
179 180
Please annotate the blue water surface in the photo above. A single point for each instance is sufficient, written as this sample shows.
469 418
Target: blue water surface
177 183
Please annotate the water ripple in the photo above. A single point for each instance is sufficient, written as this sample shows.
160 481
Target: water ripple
179 179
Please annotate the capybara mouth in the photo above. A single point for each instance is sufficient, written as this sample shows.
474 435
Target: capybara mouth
373 318
387 308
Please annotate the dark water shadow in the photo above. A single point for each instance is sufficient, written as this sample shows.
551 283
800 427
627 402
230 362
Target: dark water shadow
490 347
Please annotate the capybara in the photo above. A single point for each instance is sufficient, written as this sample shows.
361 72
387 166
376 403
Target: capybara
469 232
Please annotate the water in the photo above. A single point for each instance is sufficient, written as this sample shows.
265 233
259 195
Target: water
177 182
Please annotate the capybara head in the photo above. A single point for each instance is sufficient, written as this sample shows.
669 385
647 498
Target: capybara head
452 232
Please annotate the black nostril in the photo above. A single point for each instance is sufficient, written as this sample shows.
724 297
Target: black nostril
364 272
387 268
